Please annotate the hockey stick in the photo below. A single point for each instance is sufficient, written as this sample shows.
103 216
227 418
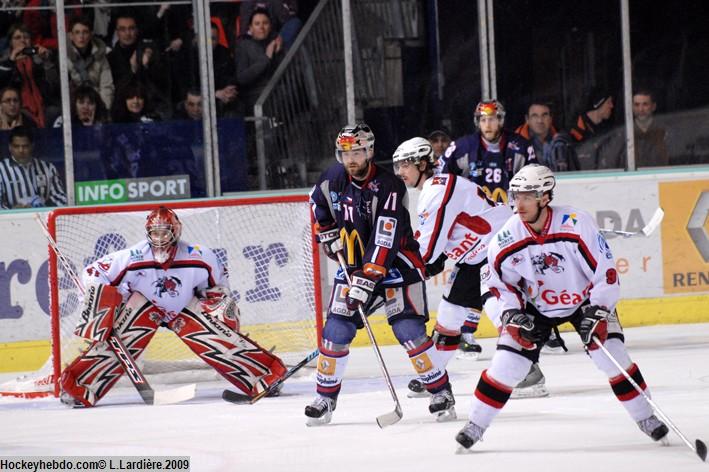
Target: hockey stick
386 419
240 398
698 447
149 396
646 231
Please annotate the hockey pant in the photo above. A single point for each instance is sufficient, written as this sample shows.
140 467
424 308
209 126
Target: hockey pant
511 363
235 357
406 313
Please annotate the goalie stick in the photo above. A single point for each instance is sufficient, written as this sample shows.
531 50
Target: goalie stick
698 447
387 419
646 231
240 398
149 396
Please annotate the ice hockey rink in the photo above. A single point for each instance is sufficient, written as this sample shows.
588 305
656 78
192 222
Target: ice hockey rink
580 427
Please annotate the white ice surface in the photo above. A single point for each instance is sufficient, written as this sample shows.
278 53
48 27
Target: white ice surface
580 427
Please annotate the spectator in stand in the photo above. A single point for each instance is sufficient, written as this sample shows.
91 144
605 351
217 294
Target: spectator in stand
31 70
650 138
228 103
191 107
553 148
593 122
138 59
41 23
87 108
257 57
26 181
283 14
11 113
87 62
440 140
132 105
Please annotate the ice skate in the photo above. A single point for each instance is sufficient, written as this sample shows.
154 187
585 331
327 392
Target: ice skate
442 405
554 345
469 347
417 389
469 435
533 385
320 411
655 428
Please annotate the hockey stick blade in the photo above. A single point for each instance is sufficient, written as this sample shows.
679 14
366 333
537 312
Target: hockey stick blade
175 395
654 222
701 449
235 397
388 419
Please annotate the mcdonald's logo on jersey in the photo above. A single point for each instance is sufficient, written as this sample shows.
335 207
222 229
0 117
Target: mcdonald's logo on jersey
498 195
351 242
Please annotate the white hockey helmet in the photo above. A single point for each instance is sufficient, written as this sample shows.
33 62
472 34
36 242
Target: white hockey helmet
532 178
414 150
489 108
351 137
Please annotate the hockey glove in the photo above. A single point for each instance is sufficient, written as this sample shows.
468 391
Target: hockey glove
331 242
593 323
361 290
436 267
521 327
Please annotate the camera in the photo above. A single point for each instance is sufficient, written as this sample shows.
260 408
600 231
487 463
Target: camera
30 51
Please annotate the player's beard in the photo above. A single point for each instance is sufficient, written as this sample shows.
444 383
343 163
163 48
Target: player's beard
358 172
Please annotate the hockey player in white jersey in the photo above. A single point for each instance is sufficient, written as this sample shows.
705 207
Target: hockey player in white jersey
162 281
550 265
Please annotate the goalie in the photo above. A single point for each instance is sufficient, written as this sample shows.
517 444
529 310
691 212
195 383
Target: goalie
162 281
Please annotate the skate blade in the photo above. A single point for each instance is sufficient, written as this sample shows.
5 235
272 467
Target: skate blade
446 415
463 451
535 391
412 394
664 441
323 420
552 350
470 356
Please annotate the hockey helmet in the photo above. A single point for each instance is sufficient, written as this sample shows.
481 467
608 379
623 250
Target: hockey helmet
163 230
351 137
414 150
489 108
532 178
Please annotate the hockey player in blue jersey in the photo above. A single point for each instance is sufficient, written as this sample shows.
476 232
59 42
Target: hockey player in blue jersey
489 157
360 209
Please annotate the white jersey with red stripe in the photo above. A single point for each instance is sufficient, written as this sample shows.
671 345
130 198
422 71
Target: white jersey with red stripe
134 270
557 270
456 218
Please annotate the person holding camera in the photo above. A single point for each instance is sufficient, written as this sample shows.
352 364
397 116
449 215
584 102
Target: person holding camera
31 71
136 59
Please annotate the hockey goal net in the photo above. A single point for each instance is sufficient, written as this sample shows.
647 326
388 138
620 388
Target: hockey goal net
266 244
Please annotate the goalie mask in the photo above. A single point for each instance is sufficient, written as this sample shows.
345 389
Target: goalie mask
163 230
353 137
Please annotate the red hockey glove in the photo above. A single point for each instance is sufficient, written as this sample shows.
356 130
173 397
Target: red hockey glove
361 290
331 242
521 327
593 323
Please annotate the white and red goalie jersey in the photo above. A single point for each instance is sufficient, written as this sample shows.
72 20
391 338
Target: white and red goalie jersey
568 263
456 218
134 270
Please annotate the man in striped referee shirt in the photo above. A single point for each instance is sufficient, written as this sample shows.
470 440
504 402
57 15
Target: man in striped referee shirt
26 181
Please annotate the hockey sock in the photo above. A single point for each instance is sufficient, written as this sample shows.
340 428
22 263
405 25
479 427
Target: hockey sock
632 401
470 325
446 345
426 361
332 363
490 397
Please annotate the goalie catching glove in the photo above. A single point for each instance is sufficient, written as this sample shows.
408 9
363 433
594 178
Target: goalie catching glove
218 302
521 327
593 323
330 241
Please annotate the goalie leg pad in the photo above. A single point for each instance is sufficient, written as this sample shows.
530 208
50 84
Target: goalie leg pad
238 359
91 375
99 311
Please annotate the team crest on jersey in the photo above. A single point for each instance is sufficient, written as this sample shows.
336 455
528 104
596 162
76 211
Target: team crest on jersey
551 261
335 199
169 285
439 180
373 186
386 228
605 249
568 221
504 238
195 250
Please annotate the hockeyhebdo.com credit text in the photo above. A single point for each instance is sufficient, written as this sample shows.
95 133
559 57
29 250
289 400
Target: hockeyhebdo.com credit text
118 463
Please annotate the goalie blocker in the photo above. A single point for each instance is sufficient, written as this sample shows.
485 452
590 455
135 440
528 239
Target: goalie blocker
234 356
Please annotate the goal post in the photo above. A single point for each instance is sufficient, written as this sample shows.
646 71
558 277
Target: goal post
267 245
